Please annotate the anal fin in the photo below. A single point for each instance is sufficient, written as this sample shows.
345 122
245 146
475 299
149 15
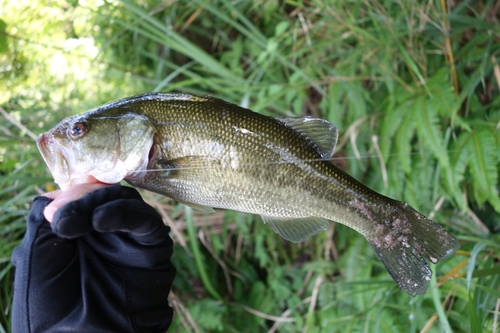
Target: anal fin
296 230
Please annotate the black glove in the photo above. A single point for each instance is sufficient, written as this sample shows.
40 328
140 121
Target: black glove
102 265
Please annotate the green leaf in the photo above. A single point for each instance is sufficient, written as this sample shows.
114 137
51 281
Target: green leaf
326 295
492 271
209 314
392 121
482 150
466 21
493 292
403 142
281 28
356 99
494 200
458 163
4 42
475 323
429 131
412 66
471 266
443 99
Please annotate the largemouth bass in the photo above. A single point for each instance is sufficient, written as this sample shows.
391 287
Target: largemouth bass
211 153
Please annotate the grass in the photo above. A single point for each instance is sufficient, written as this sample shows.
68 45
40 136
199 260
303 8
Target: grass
412 86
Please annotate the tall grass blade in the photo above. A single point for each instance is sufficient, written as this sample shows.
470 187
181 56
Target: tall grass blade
247 28
182 44
413 67
443 319
169 78
474 322
193 242
471 266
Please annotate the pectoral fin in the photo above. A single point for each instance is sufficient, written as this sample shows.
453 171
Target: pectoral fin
296 230
186 163
180 167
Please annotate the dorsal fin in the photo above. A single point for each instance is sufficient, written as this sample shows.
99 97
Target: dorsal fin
320 131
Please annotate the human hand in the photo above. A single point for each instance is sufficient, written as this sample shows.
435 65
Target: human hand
61 198
103 264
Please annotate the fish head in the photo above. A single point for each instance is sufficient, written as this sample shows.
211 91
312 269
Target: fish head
106 147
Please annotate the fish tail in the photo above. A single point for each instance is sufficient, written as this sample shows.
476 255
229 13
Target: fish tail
404 242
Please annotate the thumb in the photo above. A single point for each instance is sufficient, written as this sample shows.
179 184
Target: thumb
62 198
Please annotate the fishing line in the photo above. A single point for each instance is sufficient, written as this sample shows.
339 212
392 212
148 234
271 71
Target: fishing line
279 162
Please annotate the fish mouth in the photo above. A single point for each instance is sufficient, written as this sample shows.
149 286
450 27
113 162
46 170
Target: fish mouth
53 155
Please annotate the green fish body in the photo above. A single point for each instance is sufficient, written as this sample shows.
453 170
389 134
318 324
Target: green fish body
205 152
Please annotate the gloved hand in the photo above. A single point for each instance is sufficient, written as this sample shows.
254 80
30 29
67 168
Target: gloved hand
102 265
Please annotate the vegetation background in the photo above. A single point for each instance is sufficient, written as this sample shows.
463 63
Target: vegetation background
412 85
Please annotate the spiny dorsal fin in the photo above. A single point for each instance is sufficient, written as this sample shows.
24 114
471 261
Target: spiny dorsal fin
320 131
298 229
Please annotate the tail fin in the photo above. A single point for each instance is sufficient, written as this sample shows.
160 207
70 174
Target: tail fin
405 242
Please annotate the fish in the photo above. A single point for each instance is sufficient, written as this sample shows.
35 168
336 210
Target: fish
208 153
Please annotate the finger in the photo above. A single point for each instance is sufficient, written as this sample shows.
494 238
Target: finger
52 195
62 198
75 218
133 216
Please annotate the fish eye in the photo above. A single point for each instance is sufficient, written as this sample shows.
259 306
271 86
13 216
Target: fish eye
77 130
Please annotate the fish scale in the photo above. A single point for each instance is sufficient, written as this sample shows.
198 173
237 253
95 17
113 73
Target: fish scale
215 154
